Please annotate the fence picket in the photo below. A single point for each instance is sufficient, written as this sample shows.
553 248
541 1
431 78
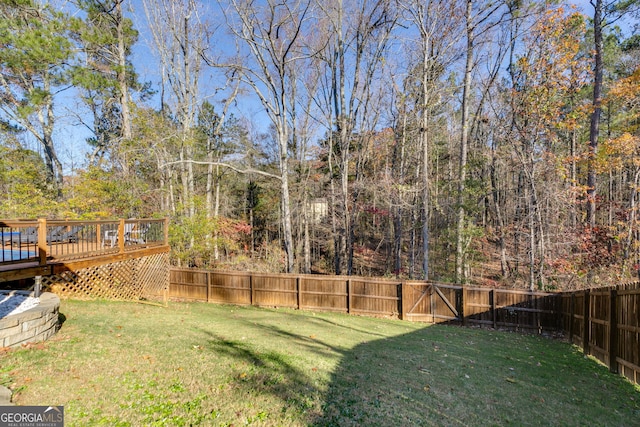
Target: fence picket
586 330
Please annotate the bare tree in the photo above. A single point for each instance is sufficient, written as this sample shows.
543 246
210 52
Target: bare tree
480 18
436 23
270 46
180 38
357 38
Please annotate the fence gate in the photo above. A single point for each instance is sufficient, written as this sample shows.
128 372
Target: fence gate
428 302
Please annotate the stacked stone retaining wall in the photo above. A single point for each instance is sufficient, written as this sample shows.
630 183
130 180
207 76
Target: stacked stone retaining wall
33 325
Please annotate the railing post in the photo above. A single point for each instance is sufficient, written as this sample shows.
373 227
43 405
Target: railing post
613 330
586 338
42 241
98 236
121 235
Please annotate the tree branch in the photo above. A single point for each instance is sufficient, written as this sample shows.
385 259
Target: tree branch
225 165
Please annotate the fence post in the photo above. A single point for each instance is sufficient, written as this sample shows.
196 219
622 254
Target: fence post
586 334
463 297
348 296
432 304
252 296
298 291
533 304
492 303
167 287
165 295
404 303
208 284
613 330
572 311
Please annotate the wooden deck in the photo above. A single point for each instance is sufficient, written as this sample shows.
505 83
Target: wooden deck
42 247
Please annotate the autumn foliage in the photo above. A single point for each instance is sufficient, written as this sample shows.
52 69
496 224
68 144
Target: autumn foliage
447 140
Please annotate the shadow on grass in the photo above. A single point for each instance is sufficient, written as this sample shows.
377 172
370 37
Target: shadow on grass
61 319
292 368
437 375
452 376
268 372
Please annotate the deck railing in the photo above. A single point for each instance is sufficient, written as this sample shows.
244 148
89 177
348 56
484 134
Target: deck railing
42 240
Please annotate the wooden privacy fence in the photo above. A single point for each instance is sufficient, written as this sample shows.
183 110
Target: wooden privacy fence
416 301
605 322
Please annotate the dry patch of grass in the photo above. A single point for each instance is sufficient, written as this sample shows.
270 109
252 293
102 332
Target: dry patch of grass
202 364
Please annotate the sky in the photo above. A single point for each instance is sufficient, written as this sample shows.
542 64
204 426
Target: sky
71 135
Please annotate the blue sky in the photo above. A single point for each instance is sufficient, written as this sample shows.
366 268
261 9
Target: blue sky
70 136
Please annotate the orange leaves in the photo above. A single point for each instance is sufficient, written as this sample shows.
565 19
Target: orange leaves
627 90
233 228
550 75
555 43
626 93
616 153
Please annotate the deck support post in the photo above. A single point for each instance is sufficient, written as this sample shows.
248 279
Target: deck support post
37 286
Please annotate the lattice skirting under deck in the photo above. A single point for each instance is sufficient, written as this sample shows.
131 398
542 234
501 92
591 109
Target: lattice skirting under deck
131 280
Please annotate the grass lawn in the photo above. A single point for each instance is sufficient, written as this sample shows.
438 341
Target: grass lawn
121 364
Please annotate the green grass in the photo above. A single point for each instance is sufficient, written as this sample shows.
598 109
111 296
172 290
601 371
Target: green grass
202 364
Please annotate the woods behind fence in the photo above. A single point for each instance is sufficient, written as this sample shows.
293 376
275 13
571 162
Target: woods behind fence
604 322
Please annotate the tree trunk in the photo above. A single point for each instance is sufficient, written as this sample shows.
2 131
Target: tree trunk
504 264
540 236
399 166
122 74
532 241
594 128
573 177
287 227
184 178
424 140
337 261
306 243
216 214
464 137
51 158
343 133
425 184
